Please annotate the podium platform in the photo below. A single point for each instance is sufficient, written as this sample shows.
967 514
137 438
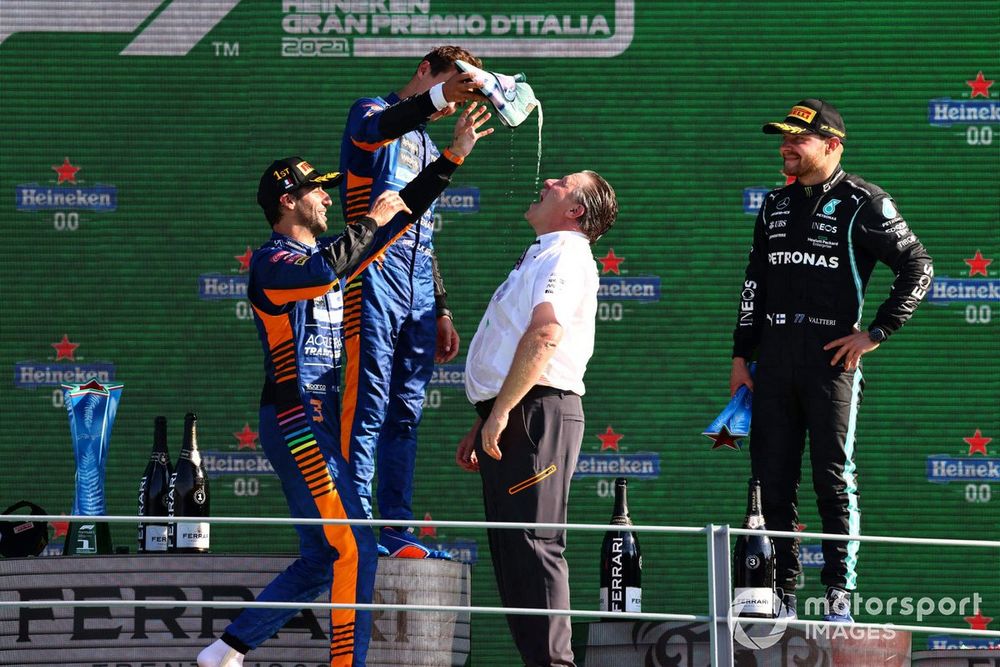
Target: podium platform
621 644
125 636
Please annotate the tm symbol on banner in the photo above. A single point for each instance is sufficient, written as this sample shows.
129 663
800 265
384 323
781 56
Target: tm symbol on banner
226 49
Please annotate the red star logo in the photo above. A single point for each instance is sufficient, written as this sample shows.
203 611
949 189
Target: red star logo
724 439
244 260
64 349
247 438
66 171
427 531
800 527
980 85
978 264
977 443
610 262
609 439
978 622
93 385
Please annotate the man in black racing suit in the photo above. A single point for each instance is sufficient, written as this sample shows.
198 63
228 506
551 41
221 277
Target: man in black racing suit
815 244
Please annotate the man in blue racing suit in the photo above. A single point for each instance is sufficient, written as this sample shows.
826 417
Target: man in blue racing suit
396 322
294 289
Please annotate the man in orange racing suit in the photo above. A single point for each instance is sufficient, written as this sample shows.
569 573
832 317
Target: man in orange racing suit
294 289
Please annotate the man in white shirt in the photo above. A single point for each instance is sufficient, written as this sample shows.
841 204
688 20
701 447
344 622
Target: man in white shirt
524 373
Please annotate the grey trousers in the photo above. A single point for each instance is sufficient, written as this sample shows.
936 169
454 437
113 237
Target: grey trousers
530 484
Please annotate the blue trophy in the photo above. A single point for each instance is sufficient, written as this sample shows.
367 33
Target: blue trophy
92 408
733 423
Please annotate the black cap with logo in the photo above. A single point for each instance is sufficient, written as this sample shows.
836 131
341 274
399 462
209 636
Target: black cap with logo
288 175
812 115
23 537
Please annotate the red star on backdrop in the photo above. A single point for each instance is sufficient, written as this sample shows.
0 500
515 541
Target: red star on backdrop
980 85
247 438
800 527
978 264
977 443
724 439
66 171
65 349
610 262
978 622
609 439
244 260
428 531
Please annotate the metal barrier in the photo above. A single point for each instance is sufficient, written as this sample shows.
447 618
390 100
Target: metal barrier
720 619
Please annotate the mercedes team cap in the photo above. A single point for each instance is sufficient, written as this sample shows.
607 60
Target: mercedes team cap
810 115
288 175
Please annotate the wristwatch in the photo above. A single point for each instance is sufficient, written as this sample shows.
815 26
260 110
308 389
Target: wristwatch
877 335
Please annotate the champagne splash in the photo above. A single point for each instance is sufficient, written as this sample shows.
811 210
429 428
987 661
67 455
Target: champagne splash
538 163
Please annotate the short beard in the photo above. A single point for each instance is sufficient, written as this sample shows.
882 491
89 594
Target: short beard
807 164
317 227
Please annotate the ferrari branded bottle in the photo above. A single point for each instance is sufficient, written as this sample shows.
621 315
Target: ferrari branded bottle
753 563
621 560
188 496
154 488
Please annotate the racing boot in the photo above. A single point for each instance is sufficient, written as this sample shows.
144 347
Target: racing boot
220 654
838 606
402 543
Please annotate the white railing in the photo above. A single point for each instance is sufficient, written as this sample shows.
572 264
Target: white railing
721 621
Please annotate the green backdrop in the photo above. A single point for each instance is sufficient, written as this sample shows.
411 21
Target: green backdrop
132 135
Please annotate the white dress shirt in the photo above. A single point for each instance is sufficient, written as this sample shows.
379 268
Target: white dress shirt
558 268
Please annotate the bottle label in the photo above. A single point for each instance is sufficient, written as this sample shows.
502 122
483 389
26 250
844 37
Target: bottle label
633 598
754 601
155 538
193 535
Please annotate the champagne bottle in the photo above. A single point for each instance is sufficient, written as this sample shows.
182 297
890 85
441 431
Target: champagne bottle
753 563
153 490
188 496
621 560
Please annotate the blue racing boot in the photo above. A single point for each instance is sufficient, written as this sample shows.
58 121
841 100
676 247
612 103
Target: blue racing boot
404 544
789 606
838 606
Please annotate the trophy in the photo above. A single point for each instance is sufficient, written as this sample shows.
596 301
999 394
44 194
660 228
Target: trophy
733 423
92 408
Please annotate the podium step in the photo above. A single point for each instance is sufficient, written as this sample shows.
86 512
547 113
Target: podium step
616 643
125 636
